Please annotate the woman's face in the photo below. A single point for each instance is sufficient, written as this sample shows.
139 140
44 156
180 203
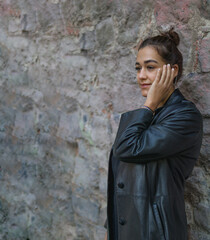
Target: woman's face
147 64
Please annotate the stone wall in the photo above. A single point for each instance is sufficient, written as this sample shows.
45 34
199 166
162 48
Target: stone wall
66 74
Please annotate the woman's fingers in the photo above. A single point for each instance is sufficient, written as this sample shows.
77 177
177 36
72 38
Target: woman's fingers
168 74
163 76
158 75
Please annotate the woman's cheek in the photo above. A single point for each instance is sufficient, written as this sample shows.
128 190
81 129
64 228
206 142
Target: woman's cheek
153 76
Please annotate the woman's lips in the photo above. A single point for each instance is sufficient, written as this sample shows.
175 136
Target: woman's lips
145 85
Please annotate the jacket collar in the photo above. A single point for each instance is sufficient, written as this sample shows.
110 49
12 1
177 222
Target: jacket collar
175 97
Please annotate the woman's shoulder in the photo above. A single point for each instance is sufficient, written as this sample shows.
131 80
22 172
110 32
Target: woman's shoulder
178 103
185 105
185 112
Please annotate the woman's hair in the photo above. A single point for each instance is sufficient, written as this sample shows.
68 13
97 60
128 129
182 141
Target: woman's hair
166 45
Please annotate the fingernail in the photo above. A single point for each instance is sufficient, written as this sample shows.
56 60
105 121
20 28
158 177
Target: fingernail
168 65
172 69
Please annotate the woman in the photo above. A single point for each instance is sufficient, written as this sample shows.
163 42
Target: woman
155 150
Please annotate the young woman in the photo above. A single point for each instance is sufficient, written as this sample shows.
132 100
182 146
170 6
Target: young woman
155 150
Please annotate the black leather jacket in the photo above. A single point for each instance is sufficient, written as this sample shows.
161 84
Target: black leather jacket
150 160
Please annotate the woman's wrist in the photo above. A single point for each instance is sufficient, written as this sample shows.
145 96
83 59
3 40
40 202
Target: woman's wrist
151 106
148 109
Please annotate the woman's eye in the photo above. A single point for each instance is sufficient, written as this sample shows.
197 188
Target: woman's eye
150 67
138 68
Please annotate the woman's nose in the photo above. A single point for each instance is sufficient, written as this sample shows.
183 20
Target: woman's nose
142 74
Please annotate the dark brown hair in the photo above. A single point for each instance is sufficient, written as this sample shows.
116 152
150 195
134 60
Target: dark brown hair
166 45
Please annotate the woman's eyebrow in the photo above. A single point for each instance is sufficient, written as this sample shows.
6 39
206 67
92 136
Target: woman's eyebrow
147 61
150 60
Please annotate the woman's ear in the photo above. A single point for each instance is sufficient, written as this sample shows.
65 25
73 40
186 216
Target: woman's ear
176 69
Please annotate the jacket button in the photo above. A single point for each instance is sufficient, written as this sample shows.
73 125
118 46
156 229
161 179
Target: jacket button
121 185
122 221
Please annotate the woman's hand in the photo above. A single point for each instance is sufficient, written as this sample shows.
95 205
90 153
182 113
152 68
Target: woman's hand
105 236
161 88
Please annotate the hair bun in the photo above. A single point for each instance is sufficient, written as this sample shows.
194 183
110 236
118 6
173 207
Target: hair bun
172 35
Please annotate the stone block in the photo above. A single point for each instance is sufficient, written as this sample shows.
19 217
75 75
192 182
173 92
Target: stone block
204 54
98 131
128 37
19 43
24 125
105 34
99 232
86 208
193 88
103 182
202 216
206 126
68 128
189 213
197 182
14 26
84 179
122 103
87 41
4 211
4 56
28 22
68 46
195 234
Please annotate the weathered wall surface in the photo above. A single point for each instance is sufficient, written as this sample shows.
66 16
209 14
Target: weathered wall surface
66 74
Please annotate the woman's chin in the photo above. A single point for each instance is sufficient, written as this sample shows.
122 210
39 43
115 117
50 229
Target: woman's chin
144 92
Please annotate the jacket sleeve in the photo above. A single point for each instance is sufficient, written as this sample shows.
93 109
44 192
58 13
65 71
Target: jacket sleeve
137 141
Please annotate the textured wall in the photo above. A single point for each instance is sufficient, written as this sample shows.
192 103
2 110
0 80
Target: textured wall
66 74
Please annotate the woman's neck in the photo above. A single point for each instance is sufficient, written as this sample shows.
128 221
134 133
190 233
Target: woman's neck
165 99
